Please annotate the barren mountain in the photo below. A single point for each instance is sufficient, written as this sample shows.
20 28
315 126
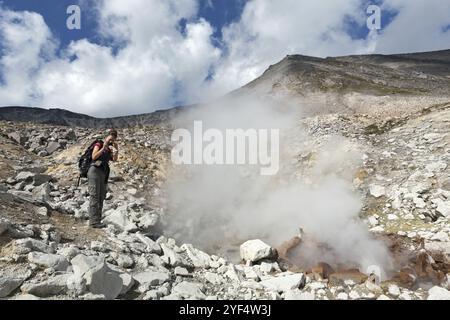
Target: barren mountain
364 183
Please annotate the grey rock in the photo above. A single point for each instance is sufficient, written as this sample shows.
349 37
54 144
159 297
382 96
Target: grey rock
4 226
189 290
24 176
198 258
152 246
40 179
180 271
8 285
152 278
17 137
119 219
127 281
28 244
41 193
100 279
54 286
125 261
52 147
57 262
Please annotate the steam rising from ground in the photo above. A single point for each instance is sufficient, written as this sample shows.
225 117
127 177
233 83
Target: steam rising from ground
217 207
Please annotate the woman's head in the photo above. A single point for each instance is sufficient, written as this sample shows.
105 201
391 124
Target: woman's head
112 133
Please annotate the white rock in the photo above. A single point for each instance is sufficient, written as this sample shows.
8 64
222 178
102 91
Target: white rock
438 246
69 252
213 278
284 282
394 290
377 191
392 217
132 191
342 296
180 271
438 293
383 297
404 296
443 207
254 250
441 236
373 221
43 211
419 203
377 229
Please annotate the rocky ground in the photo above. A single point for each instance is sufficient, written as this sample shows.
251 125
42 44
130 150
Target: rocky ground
49 252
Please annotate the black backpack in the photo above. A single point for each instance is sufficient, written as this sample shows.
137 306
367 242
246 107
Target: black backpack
85 160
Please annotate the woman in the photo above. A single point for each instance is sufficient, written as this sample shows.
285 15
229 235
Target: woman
98 175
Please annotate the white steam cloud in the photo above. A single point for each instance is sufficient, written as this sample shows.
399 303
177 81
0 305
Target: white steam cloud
219 207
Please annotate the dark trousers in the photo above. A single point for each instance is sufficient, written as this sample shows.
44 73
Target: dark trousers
97 192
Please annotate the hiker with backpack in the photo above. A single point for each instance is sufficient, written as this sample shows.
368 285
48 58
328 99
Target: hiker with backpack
95 165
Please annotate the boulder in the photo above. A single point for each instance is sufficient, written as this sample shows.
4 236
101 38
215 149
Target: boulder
100 279
173 258
52 147
4 226
24 176
255 250
17 137
28 244
54 286
8 285
120 220
284 282
127 281
438 293
40 179
41 193
57 262
198 258
152 246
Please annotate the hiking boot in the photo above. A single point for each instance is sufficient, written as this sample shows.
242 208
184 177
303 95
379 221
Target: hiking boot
98 225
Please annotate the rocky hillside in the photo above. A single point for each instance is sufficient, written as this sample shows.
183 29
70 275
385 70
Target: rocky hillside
47 251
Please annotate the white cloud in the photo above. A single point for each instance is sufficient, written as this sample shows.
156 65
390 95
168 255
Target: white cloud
160 63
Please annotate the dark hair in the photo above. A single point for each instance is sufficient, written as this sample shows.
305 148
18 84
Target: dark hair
113 132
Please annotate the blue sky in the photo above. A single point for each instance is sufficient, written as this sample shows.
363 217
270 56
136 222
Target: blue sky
152 54
218 12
